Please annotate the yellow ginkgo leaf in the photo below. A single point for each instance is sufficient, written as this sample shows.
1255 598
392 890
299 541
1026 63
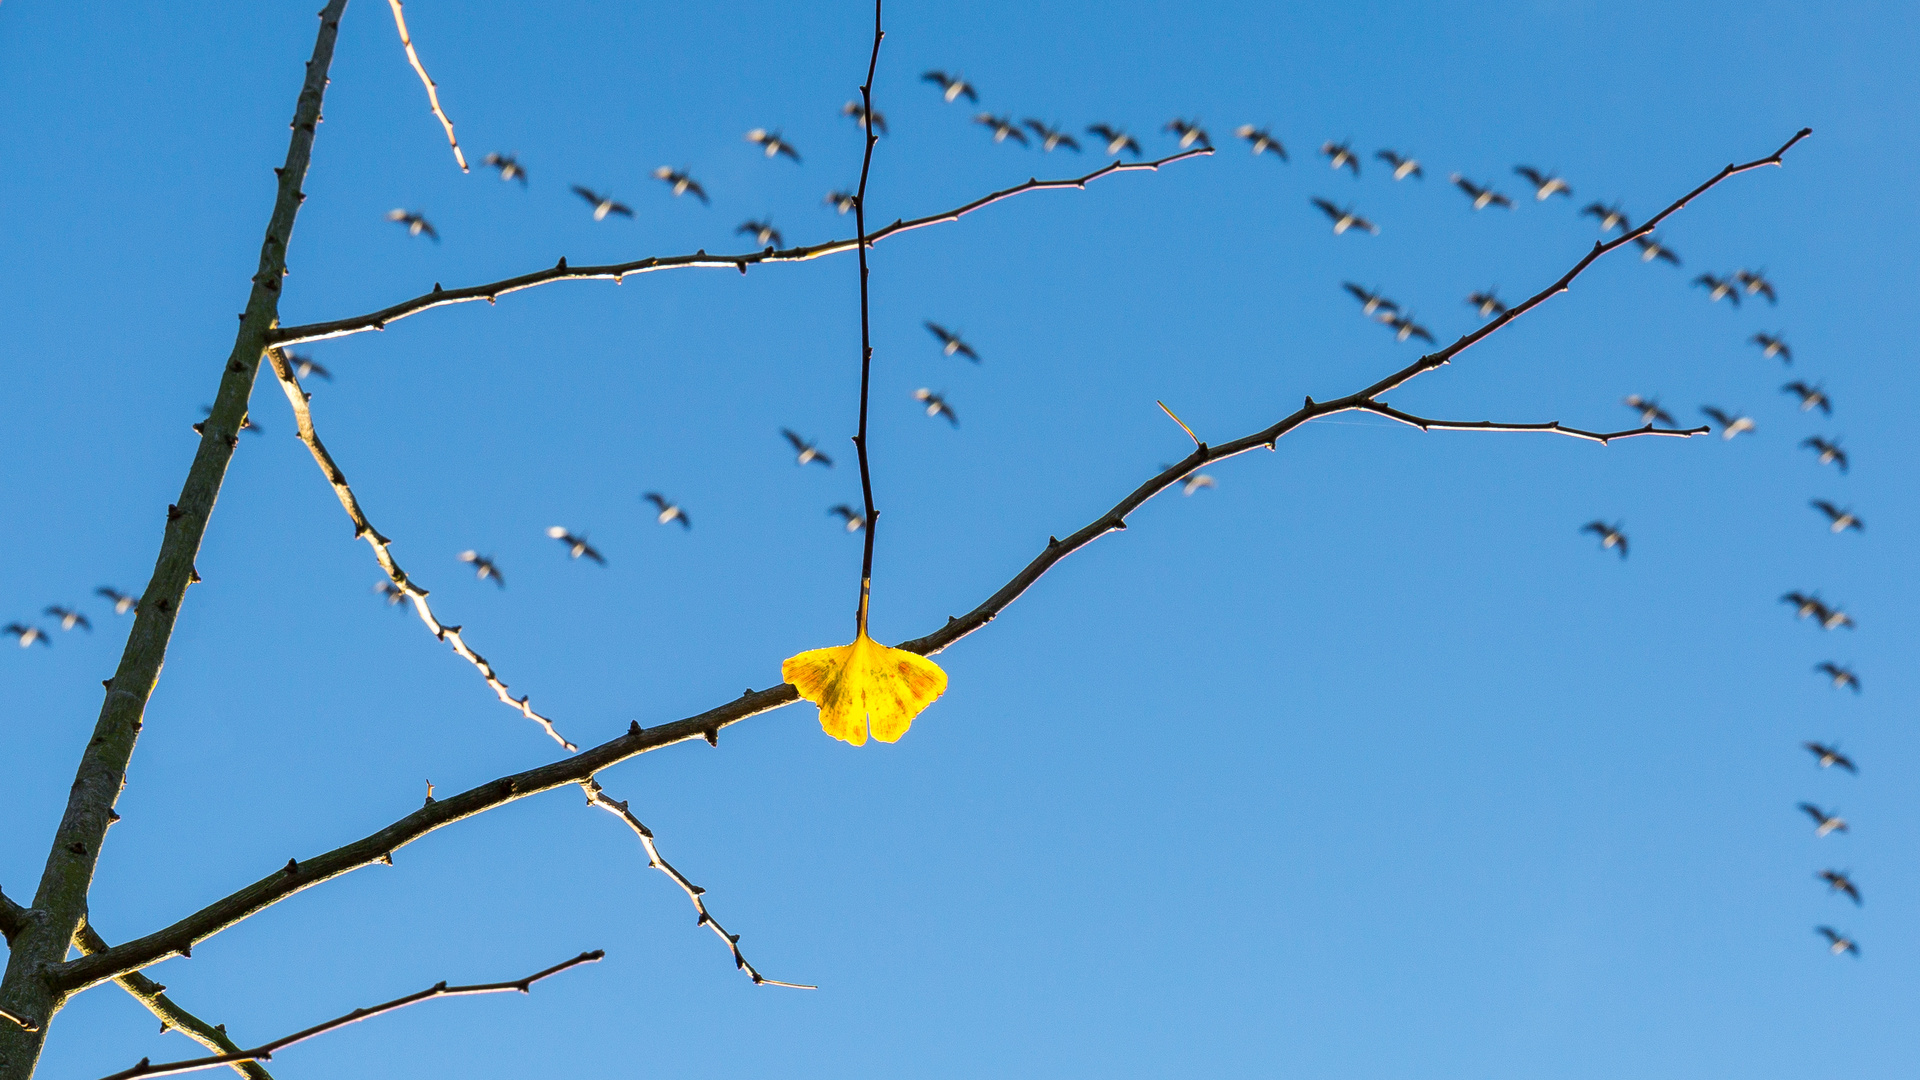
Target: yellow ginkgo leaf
865 685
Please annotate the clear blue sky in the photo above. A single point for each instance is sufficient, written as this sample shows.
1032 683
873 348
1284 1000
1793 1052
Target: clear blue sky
1363 764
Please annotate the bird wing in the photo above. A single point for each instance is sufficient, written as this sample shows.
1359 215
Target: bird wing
587 194
656 499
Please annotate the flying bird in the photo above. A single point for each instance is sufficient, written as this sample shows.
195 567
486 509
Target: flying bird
1730 424
1341 156
1811 397
416 225
393 594
1813 607
854 519
763 233
28 634
1403 167
681 183
1837 942
122 603
1050 136
1824 822
1649 410
1830 452
1370 299
577 546
1718 288
1195 481
1482 197
1840 520
951 343
1610 535
937 405
69 618
1841 676
1486 303
1838 881
1404 327
1611 217
1830 757
803 450
952 86
602 204
1261 140
1651 249
859 112
508 166
304 366
1755 282
668 511
1545 185
1116 139
1190 132
1003 127
1345 219
772 143
483 567
1772 345
842 201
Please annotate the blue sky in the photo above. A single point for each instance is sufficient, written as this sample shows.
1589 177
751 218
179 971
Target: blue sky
1364 763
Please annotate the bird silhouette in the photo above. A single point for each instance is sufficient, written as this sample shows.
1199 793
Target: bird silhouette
763 233
1731 424
1812 607
842 201
577 546
416 225
1486 303
1545 185
1839 520
483 567
1195 481
859 112
122 603
1651 249
1649 410
1370 299
681 183
1772 345
803 450
1837 942
1823 821
1482 197
1003 127
602 204
1755 282
668 511
69 618
952 86
508 166
937 405
1190 133
1841 882
1341 156
1841 676
951 343
303 366
1402 167
854 519
1050 136
1610 535
1344 219
1115 138
1830 757
1719 288
1811 397
772 143
393 594
1610 217
27 635
1261 140
1829 451
1404 327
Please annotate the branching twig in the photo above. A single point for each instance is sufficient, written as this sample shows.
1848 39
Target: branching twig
861 244
264 1052
13 917
378 320
598 797
152 995
382 548
1381 408
178 938
433 92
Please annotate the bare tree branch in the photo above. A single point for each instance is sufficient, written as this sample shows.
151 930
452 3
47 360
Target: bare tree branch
598 797
152 995
1554 427
60 902
382 548
178 939
13 918
264 1052
433 91
378 320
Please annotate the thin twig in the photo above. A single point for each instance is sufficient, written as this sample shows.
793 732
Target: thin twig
13 917
1182 423
152 995
382 548
264 1052
866 337
598 797
179 938
433 92
378 320
1554 427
